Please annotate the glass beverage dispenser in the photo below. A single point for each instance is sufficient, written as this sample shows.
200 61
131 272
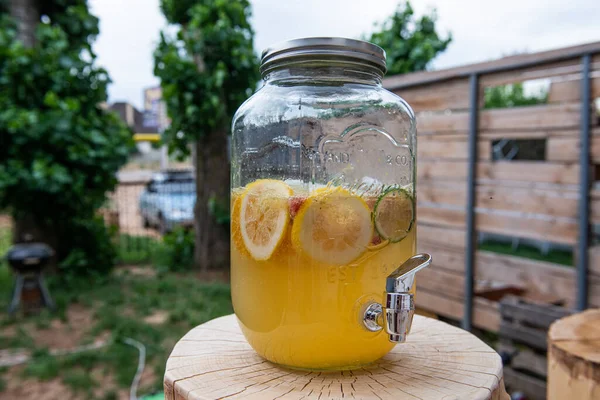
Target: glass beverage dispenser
323 210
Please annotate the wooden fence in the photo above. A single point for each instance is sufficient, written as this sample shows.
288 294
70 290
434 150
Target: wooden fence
536 200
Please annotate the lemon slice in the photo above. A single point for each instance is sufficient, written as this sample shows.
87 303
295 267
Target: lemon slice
236 229
264 216
333 226
394 214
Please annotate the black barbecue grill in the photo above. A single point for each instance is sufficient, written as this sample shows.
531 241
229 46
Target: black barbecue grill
28 261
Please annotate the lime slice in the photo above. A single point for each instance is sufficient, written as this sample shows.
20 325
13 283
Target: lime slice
394 214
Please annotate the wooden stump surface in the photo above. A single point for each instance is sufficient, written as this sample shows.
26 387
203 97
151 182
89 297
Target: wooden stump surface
439 361
574 357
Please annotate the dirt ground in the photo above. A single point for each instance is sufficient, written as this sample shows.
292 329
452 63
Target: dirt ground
18 388
5 221
63 336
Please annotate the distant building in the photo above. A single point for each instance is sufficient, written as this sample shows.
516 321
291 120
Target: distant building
134 119
155 110
131 116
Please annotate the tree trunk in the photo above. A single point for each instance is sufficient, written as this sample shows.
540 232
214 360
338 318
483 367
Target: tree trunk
212 181
27 15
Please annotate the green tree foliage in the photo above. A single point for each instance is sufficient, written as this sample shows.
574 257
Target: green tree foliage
512 95
60 150
410 42
207 69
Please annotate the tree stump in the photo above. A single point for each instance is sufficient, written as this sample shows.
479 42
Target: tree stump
574 357
439 361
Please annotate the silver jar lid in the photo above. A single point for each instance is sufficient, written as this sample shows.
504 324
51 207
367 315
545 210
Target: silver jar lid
323 47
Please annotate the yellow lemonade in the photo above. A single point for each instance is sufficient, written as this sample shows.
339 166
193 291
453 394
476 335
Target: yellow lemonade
304 265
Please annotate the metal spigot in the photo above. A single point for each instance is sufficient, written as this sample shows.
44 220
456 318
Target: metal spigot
399 302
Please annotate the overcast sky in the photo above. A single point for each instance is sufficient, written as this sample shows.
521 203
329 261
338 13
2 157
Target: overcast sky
481 29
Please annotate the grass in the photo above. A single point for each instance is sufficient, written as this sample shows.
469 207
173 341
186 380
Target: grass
2 384
137 249
554 256
119 306
5 275
5 239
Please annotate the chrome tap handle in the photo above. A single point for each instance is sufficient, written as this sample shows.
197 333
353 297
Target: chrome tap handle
402 279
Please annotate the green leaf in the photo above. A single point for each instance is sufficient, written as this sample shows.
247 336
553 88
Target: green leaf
410 44
51 99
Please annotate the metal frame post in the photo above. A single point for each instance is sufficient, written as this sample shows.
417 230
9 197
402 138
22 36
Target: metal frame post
467 321
584 186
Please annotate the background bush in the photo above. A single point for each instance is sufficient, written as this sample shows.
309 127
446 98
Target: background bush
60 149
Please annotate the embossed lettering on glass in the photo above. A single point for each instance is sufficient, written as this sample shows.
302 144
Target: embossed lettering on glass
323 208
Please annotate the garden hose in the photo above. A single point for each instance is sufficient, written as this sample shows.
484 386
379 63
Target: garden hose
140 368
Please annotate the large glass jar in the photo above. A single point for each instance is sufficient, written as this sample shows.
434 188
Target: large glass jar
323 207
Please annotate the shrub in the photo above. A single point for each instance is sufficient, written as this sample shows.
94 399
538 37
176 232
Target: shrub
60 150
178 250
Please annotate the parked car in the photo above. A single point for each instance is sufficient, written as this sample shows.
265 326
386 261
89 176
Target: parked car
168 201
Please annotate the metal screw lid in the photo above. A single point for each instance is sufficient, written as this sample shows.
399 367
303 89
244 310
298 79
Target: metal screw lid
315 47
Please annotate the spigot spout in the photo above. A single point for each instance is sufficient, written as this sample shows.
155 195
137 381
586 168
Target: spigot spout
399 310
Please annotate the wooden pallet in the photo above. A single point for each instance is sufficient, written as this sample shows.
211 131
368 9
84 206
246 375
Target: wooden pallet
523 344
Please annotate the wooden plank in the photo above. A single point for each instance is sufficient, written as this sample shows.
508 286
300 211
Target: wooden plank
533 388
442 216
509 185
444 237
443 170
424 77
449 121
594 264
536 276
446 149
524 226
448 259
571 68
535 338
567 149
441 193
485 313
449 136
530 361
440 96
529 134
552 230
524 359
533 315
556 203
428 148
442 281
531 117
570 90
556 116
523 171
595 211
